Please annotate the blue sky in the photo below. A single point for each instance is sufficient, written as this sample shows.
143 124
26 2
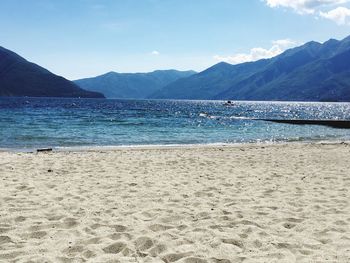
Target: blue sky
82 38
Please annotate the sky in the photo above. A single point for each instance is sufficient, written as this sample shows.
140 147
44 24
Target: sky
85 38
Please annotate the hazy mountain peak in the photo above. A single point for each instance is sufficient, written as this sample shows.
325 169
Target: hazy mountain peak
132 85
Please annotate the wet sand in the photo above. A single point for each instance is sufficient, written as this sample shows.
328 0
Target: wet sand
247 203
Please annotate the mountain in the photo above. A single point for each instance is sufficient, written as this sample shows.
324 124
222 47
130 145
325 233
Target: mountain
208 83
131 85
311 72
19 77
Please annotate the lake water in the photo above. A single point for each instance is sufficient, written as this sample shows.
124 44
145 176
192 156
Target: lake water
53 122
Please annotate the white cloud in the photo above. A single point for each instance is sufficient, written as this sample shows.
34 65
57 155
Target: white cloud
155 53
304 6
340 15
284 43
278 47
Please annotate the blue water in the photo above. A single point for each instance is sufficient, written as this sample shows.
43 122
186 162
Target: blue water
52 122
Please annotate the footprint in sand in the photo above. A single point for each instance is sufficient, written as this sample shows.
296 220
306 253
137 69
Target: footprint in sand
69 223
158 249
38 234
160 227
73 250
5 229
175 257
217 260
234 242
193 260
288 225
5 239
88 254
115 248
144 243
20 219
119 228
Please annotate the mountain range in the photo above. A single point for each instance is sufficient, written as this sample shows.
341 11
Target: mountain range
311 72
19 77
132 85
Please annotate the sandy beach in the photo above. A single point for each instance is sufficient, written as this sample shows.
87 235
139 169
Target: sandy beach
245 203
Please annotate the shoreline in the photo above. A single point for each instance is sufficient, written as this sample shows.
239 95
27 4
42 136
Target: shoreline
170 146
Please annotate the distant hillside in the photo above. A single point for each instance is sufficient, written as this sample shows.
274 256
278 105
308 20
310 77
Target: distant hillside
208 83
311 72
131 85
18 77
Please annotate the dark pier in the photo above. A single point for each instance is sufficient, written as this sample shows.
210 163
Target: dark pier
340 124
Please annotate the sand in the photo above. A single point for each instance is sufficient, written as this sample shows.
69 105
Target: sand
247 203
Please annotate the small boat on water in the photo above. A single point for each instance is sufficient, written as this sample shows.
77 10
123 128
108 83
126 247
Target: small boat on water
229 103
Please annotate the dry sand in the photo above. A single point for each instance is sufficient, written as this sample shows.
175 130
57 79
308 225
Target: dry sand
252 203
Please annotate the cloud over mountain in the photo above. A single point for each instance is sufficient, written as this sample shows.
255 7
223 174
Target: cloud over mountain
278 46
304 6
340 15
333 10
